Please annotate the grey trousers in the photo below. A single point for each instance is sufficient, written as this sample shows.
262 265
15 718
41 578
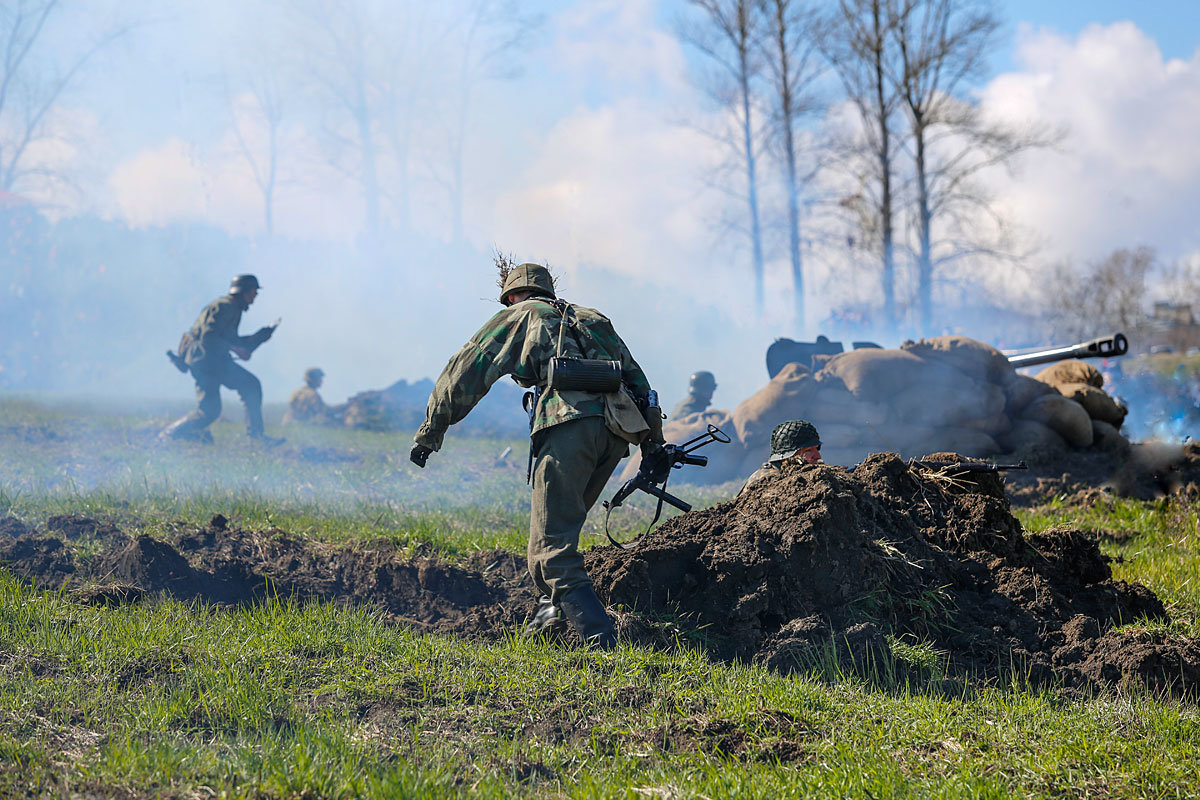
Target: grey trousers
208 398
572 462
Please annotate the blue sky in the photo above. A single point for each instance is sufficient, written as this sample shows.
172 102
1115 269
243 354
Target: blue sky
1174 24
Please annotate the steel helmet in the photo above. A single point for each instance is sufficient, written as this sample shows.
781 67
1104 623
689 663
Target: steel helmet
243 283
528 277
702 381
790 436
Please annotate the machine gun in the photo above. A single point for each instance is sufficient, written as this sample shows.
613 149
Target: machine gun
1103 347
652 478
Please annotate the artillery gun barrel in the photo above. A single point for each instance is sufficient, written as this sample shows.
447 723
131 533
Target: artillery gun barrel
1103 347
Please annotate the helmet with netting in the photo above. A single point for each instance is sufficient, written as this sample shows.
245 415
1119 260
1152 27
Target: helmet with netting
791 436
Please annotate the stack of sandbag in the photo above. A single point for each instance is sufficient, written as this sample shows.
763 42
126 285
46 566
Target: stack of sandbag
947 394
1065 405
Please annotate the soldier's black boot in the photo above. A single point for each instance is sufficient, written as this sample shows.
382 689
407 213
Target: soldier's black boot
547 619
185 428
587 616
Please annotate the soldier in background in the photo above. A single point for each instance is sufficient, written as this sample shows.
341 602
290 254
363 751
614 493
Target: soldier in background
305 405
574 449
699 397
207 351
793 443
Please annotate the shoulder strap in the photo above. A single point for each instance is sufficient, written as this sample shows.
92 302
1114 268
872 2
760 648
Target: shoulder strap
564 309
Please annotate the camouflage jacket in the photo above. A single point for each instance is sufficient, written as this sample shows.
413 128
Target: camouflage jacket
765 471
690 405
208 341
519 341
306 405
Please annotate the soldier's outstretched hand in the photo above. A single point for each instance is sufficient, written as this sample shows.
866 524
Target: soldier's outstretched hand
419 454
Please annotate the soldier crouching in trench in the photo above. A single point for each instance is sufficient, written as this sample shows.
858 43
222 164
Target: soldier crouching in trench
793 442
701 386
574 447
207 350
306 405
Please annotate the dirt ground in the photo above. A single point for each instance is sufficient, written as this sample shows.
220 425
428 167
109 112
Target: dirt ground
1145 472
816 559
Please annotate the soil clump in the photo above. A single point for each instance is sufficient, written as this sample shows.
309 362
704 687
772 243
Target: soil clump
485 595
819 558
812 562
1144 471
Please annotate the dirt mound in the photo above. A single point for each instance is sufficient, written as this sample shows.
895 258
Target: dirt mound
484 597
819 557
1144 471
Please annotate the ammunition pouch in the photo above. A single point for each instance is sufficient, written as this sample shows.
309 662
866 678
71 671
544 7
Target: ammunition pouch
596 375
623 418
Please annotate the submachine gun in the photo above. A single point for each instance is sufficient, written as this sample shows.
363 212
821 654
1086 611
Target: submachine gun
652 478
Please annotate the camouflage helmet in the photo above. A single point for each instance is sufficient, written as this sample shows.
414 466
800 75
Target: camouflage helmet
243 283
528 277
313 375
790 436
702 381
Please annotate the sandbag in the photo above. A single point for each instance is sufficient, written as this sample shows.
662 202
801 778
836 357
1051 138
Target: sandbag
1027 436
876 374
1071 371
1096 402
786 396
838 435
832 403
907 439
996 425
1106 437
951 403
1021 390
969 356
846 456
1068 419
964 441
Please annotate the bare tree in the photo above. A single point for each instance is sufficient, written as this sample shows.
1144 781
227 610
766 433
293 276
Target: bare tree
1106 295
791 55
32 85
858 48
481 41
264 106
729 37
941 46
347 50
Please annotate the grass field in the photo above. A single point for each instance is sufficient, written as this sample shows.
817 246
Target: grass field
289 700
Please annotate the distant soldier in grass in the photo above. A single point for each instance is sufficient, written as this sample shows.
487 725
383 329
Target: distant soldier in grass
793 443
578 436
207 351
699 396
306 406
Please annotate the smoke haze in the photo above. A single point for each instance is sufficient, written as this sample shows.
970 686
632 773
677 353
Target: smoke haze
580 146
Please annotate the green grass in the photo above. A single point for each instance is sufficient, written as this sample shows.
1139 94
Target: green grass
1153 543
291 700
315 701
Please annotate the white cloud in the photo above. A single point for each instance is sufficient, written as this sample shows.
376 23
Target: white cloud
160 185
1128 170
